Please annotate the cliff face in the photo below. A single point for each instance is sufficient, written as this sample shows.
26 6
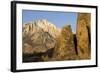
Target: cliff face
83 35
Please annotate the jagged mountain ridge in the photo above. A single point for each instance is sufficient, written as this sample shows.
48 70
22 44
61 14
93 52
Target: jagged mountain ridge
43 24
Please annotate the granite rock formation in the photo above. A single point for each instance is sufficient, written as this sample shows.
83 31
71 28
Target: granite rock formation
43 24
39 36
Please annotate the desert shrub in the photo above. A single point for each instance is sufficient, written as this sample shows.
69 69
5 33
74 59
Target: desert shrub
45 58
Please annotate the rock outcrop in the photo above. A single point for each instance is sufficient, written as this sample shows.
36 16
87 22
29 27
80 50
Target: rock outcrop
83 33
65 48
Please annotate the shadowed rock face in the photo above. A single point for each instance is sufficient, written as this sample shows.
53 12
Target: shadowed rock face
83 35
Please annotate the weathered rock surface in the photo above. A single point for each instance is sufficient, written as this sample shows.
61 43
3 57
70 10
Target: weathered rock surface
83 35
65 48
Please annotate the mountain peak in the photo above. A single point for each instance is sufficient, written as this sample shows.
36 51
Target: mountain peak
39 25
40 35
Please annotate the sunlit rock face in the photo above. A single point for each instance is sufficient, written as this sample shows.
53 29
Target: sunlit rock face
39 36
43 24
83 33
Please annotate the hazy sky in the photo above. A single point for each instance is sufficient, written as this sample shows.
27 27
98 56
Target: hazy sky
57 18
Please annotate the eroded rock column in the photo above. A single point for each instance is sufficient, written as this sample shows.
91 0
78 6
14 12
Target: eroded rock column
65 49
83 32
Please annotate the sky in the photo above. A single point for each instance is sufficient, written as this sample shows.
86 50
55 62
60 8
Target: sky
59 19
